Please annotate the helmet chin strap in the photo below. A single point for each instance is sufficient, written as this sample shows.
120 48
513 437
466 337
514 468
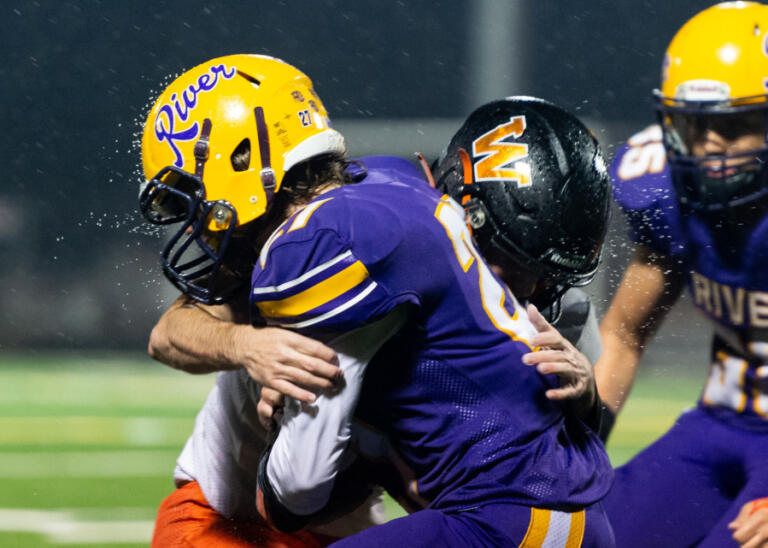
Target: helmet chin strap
466 194
425 168
201 148
466 166
268 180
551 311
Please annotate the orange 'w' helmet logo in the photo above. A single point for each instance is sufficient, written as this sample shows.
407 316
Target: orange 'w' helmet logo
499 159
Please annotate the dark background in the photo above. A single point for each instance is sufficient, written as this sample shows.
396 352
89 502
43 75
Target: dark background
77 268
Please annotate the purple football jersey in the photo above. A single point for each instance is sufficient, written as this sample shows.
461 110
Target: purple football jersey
450 390
726 264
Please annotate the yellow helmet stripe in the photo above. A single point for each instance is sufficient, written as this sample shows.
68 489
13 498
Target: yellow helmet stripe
317 295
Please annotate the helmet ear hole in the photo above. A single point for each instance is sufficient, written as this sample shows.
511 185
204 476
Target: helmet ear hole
241 156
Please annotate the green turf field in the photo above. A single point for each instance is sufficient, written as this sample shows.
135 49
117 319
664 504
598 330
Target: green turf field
87 445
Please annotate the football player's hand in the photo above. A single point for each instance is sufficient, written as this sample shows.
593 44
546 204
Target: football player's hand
750 528
557 356
285 361
270 407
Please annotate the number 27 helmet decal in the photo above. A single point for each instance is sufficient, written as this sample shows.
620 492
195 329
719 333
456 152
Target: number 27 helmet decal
215 148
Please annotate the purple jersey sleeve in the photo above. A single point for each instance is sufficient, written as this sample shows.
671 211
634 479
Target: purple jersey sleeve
327 269
313 278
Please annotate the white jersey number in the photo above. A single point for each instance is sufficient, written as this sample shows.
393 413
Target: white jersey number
726 386
645 155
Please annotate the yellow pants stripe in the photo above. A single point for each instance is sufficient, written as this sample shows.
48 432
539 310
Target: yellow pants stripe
537 529
552 529
576 534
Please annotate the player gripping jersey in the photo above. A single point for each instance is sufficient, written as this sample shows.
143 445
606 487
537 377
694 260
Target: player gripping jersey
464 412
495 459
694 193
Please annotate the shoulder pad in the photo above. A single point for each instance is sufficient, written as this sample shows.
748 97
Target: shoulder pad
392 168
643 188
639 170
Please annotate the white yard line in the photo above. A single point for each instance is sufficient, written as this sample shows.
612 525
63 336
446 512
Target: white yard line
63 527
133 431
88 464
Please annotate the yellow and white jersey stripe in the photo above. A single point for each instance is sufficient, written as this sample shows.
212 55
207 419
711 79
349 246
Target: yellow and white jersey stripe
315 271
317 295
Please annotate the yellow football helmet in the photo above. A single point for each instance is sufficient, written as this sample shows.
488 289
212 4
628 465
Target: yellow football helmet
715 78
215 148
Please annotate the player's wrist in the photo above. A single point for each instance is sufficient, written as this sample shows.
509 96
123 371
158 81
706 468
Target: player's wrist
606 420
232 355
269 506
590 409
583 406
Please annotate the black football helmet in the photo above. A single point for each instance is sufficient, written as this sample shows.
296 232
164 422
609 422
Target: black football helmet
535 187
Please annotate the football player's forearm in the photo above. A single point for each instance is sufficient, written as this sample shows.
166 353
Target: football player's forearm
192 340
651 285
615 371
623 341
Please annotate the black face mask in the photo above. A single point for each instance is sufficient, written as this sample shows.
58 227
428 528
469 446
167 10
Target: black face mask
193 257
714 182
552 283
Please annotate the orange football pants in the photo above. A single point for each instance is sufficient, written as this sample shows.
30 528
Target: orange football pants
186 520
